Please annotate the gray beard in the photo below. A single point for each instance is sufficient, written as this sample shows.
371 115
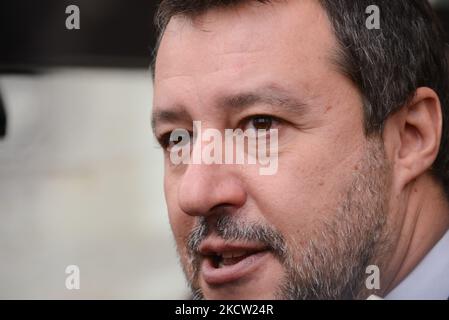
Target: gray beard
333 262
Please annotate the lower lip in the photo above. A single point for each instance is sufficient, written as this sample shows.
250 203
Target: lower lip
230 273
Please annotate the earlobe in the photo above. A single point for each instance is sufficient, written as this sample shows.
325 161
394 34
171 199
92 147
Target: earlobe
413 135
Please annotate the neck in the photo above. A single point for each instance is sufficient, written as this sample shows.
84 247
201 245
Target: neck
425 219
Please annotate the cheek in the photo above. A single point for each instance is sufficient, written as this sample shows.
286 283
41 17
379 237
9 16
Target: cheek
292 204
308 187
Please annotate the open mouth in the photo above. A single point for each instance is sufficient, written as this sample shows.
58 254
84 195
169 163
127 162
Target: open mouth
226 265
229 258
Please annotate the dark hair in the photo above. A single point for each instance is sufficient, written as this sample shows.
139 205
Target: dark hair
386 64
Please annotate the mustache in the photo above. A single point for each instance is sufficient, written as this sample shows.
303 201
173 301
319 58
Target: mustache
230 229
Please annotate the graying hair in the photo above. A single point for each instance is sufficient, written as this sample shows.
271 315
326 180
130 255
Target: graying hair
387 65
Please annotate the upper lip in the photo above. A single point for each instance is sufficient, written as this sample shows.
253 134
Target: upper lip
218 247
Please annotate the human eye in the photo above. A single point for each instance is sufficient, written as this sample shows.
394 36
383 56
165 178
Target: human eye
260 122
174 138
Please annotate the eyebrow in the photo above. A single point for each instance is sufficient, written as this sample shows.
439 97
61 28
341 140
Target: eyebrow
271 96
178 113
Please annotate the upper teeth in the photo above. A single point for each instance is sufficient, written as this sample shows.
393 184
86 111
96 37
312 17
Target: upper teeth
233 254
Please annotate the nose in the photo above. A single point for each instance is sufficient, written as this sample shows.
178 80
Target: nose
205 187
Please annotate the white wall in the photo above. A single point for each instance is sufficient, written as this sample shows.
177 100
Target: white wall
81 183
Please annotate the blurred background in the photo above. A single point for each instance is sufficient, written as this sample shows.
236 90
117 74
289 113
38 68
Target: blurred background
80 172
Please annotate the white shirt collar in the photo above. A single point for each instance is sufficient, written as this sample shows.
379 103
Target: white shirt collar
430 279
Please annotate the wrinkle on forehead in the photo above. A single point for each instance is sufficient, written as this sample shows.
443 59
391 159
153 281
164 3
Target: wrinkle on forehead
224 34
230 50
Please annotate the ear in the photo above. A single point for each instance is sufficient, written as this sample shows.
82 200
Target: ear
412 136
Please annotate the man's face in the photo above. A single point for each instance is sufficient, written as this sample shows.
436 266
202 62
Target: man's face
310 230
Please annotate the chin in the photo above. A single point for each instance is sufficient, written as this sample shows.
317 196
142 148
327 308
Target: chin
238 293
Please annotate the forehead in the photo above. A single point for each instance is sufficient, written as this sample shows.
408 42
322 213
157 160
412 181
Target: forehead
287 42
